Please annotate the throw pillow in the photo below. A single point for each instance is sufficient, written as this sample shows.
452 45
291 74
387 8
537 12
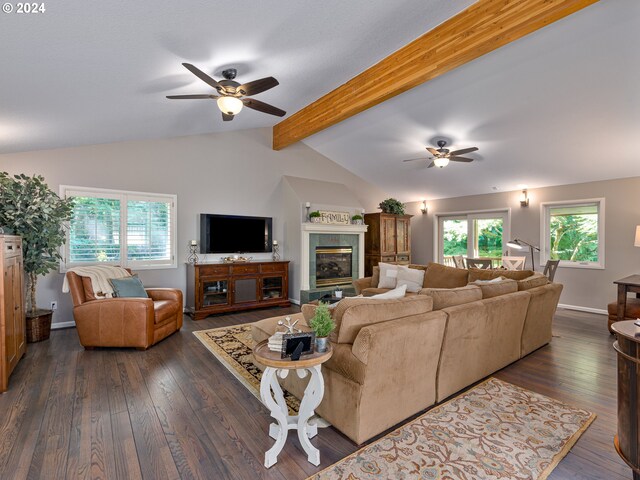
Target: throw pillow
391 294
388 275
410 277
128 287
441 276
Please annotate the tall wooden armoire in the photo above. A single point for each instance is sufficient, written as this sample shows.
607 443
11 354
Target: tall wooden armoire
388 239
13 342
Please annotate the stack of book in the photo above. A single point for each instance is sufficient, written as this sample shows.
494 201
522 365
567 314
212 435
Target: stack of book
275 342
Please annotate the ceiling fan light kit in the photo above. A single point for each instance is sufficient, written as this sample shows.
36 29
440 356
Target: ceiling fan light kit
232 96
230 105
442 156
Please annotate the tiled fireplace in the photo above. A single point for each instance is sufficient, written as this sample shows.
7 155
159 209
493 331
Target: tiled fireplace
331 255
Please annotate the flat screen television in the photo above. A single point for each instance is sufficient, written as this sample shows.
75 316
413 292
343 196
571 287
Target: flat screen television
234 234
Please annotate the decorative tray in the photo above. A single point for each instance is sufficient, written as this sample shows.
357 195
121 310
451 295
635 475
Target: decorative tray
236 259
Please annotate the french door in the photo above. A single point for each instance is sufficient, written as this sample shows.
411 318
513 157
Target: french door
473 235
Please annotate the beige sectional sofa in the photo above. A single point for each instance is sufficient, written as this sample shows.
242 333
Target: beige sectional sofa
394 358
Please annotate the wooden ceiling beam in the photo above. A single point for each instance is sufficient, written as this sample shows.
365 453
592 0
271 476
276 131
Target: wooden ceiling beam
483 27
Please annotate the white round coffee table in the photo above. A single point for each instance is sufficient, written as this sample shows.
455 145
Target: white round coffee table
273 398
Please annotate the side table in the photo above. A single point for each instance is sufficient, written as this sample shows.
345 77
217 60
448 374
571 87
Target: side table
273 398
630 284
627 441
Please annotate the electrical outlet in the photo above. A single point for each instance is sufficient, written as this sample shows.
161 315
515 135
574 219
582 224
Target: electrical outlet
54 305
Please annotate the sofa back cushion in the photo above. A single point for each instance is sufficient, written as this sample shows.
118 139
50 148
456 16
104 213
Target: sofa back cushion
535 280
375 276
441 276
482 274
351 314
494 289
448 297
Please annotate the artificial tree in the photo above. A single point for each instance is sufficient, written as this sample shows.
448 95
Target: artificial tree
29 208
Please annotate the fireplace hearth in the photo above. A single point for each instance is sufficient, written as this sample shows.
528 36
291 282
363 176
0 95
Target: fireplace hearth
333 265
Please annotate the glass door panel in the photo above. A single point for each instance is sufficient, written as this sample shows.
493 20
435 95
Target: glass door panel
215 292
473 235
272 288
453 239
488 240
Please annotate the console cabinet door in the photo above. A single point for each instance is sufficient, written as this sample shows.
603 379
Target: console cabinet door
245 290
214 292
403 237
387 235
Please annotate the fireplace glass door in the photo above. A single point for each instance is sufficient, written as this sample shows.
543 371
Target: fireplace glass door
333 265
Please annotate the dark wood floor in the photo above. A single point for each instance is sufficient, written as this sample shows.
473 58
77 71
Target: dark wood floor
175 412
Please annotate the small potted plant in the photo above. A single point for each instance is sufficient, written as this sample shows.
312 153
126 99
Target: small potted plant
322 324
357 219
33 211
314 217
391 205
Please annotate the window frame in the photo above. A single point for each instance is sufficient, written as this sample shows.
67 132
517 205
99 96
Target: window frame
124 196
470 216
545 232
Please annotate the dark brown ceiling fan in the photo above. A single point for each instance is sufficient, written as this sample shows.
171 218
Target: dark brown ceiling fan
231 94
442 156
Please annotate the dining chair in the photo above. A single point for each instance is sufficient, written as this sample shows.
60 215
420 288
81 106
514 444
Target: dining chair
550 269
513 263
483 263
458 261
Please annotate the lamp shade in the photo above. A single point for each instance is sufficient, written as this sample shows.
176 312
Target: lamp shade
441 161
230 105
637 242
513 244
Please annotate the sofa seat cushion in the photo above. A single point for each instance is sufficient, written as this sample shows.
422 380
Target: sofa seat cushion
164 309
484 274
441 276
495 289
448 297
344 362
353 313
535 280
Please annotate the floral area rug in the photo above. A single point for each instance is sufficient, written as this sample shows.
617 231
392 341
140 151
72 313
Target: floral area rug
233 347
493 431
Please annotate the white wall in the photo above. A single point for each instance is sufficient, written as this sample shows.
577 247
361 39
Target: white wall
232 173
582 287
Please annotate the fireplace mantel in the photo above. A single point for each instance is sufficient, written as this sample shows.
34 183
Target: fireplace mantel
328 229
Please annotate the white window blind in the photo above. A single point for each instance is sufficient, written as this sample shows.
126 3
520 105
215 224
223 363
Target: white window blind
121 228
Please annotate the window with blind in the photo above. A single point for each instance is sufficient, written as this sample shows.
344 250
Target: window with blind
125 228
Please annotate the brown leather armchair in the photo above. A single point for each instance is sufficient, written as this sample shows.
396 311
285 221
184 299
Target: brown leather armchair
124 322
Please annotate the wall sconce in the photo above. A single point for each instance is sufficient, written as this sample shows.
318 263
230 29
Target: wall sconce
524 198
424 208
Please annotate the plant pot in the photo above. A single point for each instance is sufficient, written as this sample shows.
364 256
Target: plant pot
39 325
315 219
321 344
356 222
337 293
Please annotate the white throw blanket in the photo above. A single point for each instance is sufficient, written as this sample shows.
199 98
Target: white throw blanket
99 276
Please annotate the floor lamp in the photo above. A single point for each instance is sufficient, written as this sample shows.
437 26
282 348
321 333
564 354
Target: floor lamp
520 244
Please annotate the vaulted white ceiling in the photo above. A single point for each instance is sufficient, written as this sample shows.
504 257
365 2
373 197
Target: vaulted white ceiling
559 106
98 72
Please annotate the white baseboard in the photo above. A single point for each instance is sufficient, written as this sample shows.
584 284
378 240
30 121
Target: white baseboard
294 301
55 326
599 311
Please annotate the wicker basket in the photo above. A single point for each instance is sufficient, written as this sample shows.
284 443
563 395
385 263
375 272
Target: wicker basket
39 326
